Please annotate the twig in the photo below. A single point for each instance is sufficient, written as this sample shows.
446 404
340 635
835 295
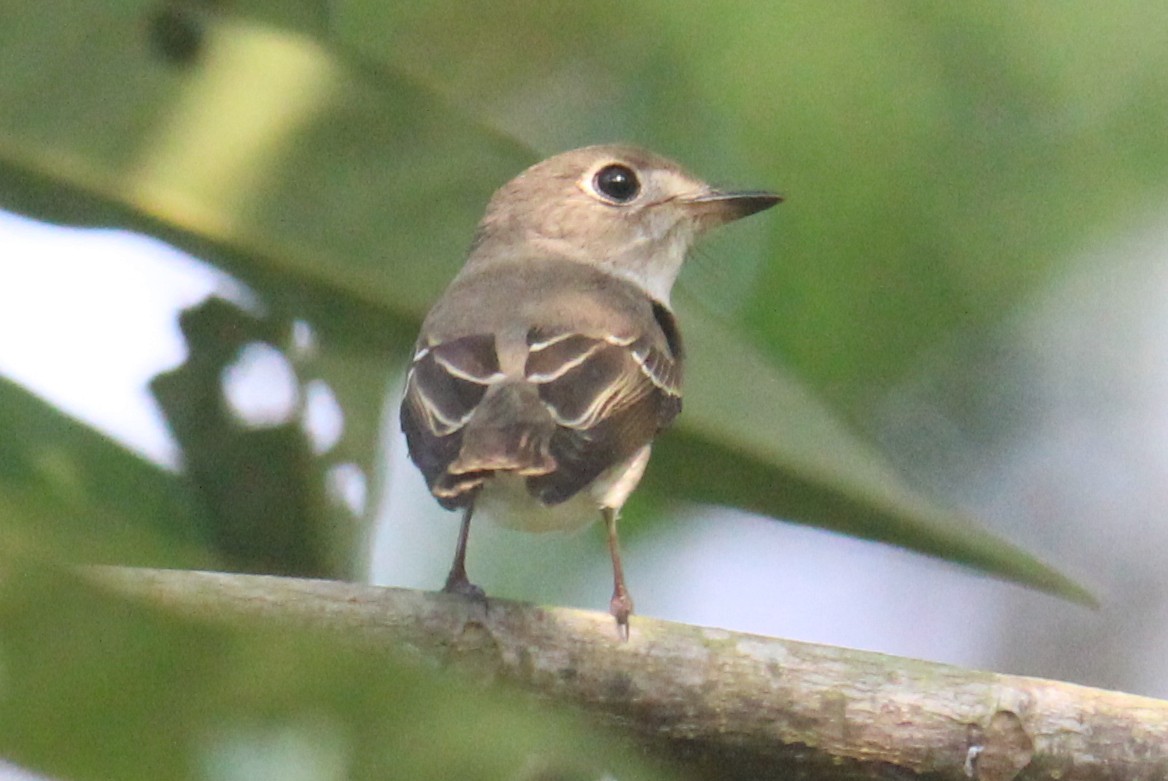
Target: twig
729 705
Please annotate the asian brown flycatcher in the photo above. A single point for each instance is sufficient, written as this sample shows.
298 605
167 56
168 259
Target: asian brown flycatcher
543 373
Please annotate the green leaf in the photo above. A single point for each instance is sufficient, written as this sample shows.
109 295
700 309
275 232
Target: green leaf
68 491
757 439
329 177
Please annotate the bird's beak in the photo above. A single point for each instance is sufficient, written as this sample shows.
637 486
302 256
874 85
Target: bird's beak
715 207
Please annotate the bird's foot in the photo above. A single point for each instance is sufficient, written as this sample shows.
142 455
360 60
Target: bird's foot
456 584
621 608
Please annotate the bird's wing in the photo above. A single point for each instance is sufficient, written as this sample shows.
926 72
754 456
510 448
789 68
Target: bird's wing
598 376
609 395
445 385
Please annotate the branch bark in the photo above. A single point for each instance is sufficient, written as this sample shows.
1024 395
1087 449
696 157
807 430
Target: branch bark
729 705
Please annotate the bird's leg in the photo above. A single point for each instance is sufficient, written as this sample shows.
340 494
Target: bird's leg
457 581
621 605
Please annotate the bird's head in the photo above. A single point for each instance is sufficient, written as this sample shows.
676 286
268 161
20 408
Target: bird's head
632 212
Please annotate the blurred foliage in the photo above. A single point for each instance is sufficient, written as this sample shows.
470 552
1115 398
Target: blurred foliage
342 186
69 492
261 487
939 163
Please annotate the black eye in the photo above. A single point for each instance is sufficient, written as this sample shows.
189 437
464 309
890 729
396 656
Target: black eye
618 182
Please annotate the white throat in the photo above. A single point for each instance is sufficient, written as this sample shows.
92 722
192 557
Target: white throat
654 263
653 268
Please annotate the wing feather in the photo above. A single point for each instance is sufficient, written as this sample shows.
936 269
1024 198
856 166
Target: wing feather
586 398
444 387
609 396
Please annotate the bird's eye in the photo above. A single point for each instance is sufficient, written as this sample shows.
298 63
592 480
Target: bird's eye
617 183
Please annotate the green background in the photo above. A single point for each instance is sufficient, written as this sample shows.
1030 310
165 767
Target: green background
941 165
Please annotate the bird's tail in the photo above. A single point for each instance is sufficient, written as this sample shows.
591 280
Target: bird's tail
509 432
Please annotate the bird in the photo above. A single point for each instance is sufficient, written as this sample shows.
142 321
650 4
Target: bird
543 373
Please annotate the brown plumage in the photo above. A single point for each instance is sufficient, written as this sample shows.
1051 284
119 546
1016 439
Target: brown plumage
544 372
594 382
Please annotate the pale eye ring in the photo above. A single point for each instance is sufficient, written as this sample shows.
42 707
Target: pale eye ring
617 183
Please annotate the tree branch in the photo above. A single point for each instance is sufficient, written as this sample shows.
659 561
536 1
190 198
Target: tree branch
730 705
